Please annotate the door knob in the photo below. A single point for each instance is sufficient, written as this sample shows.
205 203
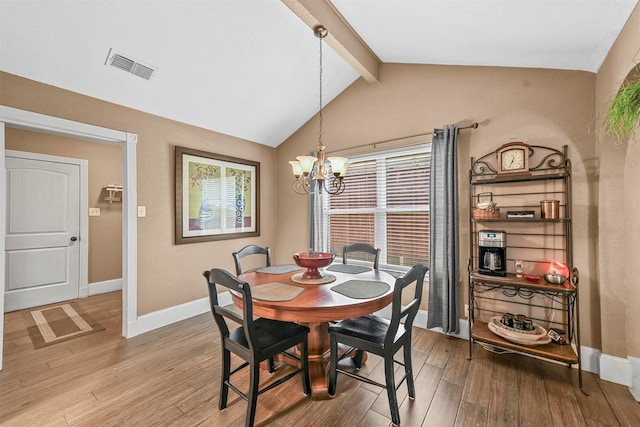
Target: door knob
74 238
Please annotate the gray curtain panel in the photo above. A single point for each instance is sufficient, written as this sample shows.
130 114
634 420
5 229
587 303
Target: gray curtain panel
444 271
317 236
317 232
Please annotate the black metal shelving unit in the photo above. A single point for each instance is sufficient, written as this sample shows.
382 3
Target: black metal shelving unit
537 241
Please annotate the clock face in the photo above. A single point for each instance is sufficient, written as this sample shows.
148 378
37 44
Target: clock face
513 159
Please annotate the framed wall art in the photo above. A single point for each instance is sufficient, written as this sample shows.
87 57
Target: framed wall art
217 197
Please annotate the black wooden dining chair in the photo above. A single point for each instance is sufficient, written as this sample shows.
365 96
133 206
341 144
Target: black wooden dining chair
251 250
380 336
361 247
254 341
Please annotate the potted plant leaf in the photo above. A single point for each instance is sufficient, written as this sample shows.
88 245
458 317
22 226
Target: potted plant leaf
624 111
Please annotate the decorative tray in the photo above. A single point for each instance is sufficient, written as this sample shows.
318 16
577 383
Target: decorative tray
538 336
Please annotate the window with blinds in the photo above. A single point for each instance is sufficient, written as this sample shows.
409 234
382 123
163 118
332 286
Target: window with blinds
385 204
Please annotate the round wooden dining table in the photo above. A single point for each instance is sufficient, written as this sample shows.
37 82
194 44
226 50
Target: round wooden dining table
315 307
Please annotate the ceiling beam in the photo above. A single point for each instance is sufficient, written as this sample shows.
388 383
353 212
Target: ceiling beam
342 38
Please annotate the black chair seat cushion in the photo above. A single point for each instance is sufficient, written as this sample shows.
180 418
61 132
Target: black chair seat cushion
268 332
370 328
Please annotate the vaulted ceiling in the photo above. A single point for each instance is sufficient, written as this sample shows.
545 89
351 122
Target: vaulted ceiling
249 68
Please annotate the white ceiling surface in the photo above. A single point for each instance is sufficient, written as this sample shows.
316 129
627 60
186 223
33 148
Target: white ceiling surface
249 68
560 34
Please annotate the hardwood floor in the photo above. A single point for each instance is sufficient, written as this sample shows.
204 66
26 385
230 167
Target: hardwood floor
170 376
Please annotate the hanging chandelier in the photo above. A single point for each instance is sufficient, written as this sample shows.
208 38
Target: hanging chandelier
328 173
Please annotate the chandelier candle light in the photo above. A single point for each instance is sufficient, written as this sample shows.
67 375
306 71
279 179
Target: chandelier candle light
330 177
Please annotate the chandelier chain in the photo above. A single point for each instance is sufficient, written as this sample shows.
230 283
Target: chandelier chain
327 177
320 109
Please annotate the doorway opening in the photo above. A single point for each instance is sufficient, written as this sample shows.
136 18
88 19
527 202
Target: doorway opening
13 117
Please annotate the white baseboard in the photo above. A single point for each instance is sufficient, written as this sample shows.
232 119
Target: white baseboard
635 380
615 369
463 324
158 319
104 287
590 358
610 368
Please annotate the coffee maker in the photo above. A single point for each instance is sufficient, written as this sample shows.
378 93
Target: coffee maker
492 252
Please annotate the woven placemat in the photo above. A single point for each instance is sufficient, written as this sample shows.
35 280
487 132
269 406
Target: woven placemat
362 289
348 268
275 291
279 269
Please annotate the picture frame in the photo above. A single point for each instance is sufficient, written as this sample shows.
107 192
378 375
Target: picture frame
217 196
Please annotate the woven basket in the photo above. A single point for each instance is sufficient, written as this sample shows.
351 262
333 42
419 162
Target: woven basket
490 212
485 214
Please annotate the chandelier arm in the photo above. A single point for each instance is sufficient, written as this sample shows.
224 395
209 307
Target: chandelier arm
336 185
302 185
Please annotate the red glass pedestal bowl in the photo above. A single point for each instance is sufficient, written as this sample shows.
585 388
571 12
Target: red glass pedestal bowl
312 262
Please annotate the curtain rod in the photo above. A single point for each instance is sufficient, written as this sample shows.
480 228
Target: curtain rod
473 125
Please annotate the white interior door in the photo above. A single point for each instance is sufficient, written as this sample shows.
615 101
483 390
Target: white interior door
42 246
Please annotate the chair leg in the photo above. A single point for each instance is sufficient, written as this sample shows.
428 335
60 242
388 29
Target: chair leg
333 373
252 396
272 365
304 356
391 388
224 388
408 370
358 358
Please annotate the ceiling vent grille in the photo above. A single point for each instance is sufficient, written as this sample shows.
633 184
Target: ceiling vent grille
130 65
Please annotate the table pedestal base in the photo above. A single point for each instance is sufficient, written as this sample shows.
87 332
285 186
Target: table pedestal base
319 358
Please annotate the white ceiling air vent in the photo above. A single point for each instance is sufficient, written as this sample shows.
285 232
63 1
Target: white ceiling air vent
130 64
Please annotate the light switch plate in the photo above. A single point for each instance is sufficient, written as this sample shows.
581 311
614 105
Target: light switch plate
142 211
94 211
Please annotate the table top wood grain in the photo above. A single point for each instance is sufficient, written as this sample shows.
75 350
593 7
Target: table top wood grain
318 303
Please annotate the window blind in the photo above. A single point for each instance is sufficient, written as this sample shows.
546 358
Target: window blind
385 204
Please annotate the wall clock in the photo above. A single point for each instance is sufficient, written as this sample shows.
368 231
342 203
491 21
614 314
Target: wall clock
513 157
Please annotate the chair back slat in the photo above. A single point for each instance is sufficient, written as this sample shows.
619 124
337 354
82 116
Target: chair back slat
408 309
228 313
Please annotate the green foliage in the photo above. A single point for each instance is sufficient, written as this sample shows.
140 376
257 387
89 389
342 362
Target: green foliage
199 172
624 110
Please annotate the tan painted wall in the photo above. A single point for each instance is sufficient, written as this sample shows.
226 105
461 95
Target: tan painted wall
541 107
618 206
168 274
105 166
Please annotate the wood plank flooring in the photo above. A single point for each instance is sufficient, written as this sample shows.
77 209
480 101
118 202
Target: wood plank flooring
170 377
